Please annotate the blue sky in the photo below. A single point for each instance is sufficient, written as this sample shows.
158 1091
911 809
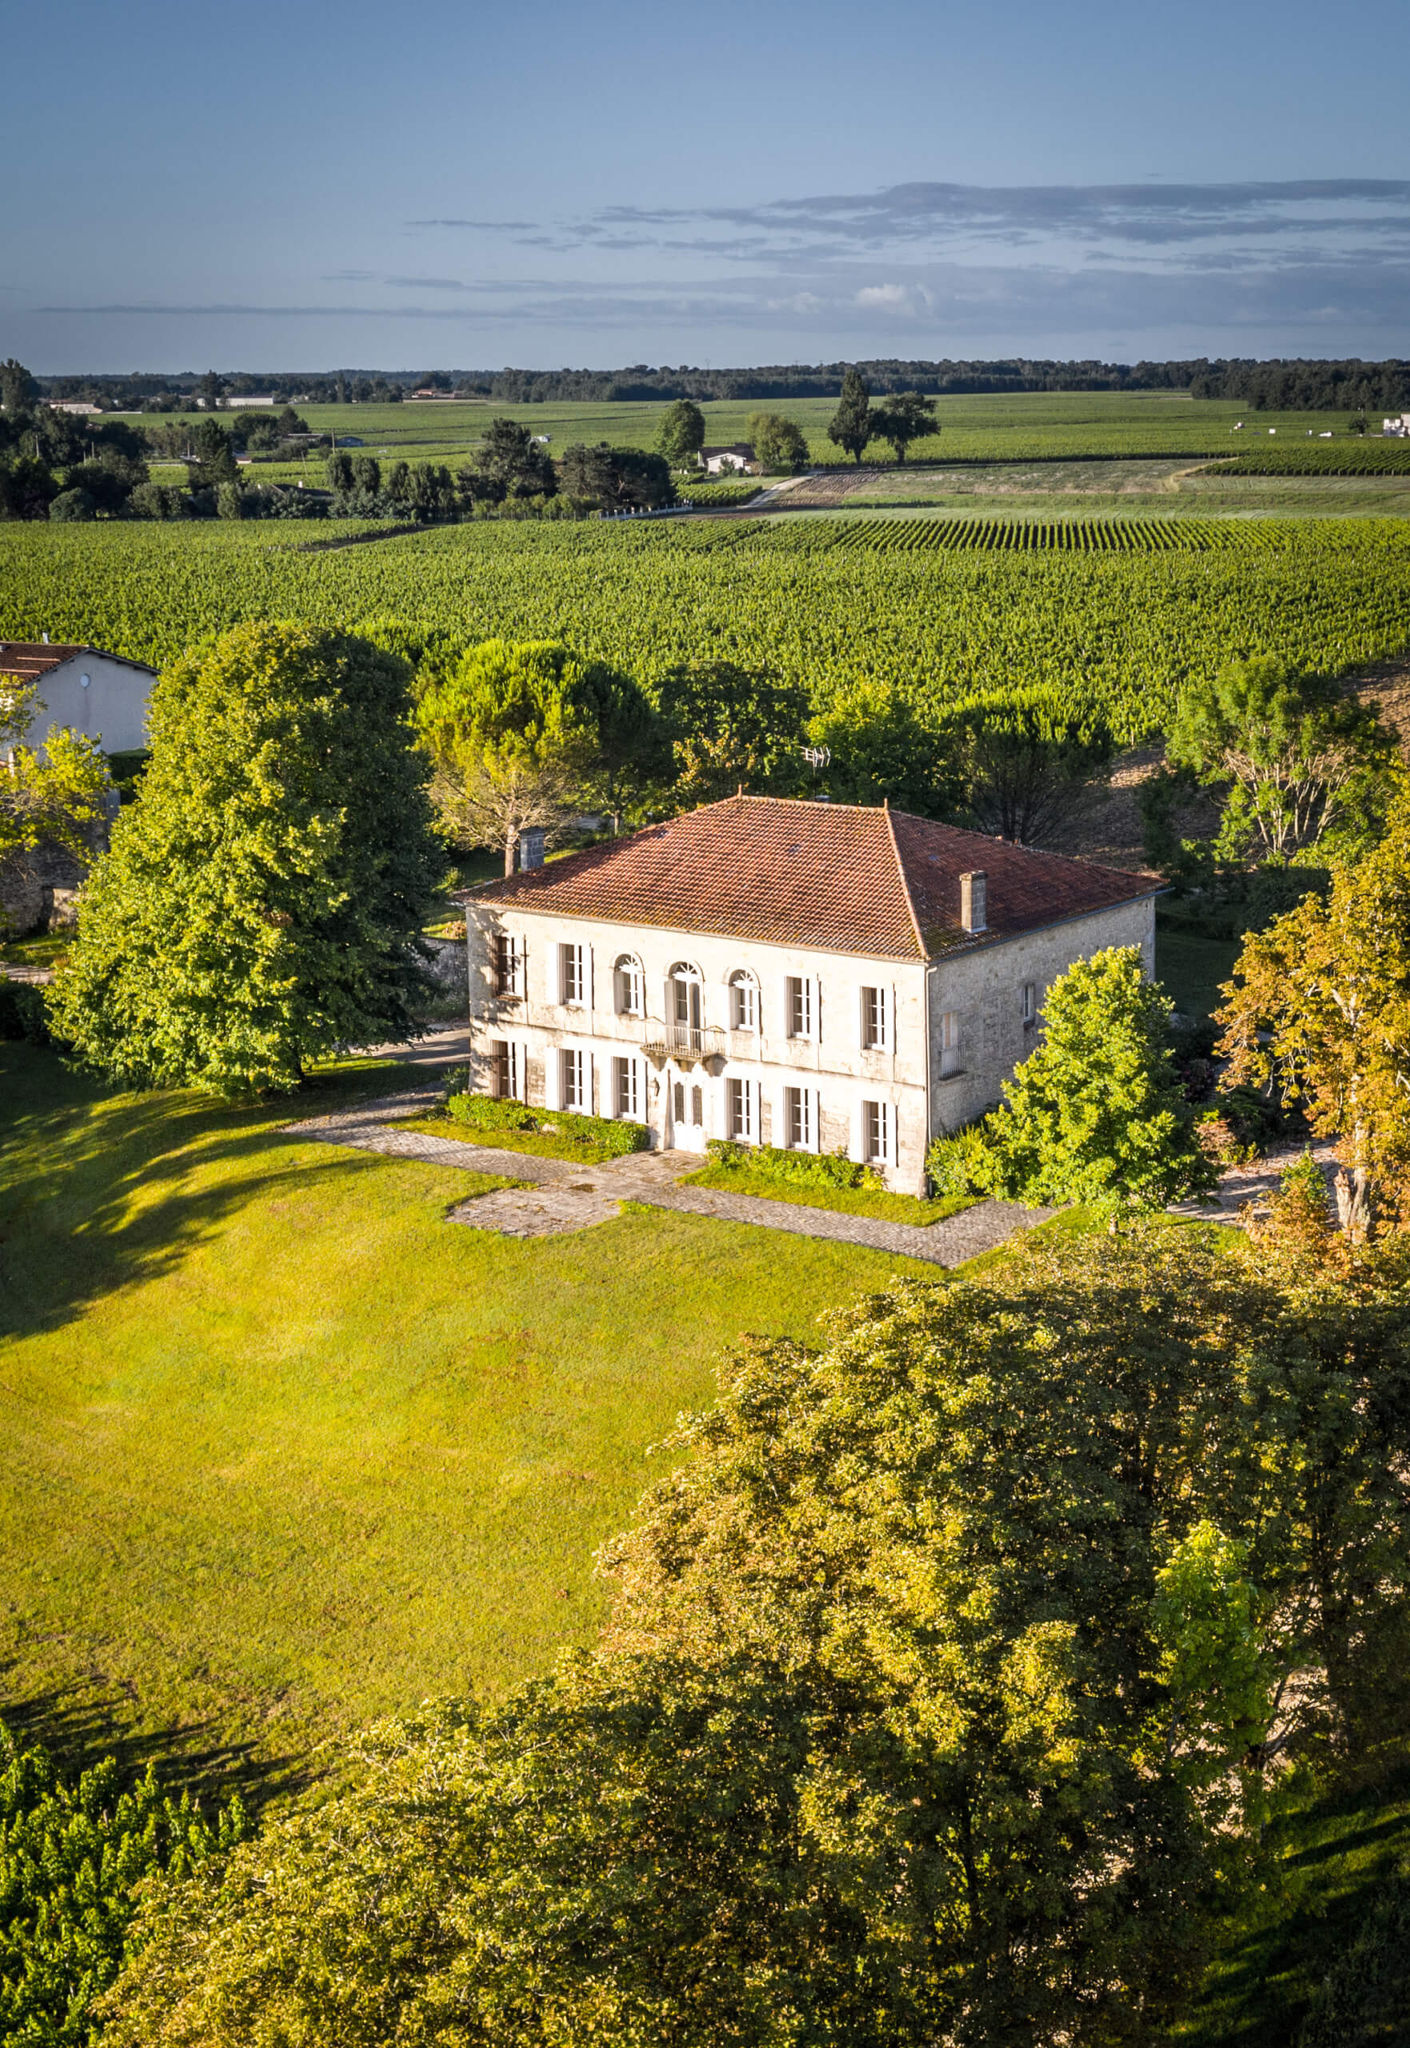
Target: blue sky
308 184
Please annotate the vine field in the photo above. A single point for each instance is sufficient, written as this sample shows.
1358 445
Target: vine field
1047 536
1118 629
1315 458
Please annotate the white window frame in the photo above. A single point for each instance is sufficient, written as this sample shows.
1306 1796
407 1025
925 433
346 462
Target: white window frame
742 1110
572 975
509 966
575 1078
631 986
879 1133
801 1006
950 1046
802 1115
743 1001
628 1099
876 1020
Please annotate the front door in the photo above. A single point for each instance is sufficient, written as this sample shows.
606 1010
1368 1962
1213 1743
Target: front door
688 1111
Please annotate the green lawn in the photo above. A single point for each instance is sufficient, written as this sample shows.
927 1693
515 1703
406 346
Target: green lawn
1192 965
538 1144
283 1450
877 1202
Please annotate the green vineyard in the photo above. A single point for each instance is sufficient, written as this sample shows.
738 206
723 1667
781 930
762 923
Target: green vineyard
1118 630
1315 458
1041 536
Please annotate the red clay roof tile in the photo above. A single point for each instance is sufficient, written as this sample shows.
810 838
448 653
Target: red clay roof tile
834 877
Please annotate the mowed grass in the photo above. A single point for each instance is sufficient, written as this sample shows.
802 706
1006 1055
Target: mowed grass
283 1450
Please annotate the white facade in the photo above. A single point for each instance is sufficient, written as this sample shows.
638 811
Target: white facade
703 1036
96 695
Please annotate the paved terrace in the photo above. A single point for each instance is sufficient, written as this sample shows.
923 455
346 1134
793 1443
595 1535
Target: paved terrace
560 1195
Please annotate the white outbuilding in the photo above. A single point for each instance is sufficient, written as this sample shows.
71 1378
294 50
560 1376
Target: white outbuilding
102 696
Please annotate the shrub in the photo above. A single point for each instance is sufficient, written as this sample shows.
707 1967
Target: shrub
955 1161
23 1012
609 1137
71 505
804 1169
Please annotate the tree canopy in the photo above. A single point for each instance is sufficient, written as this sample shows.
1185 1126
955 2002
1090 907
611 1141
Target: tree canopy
1030 759
263 898
1096 1113
518 731
728 726
881 747
852 425
779 444
943 1673
1290 752
1319 1009
56 793
681 435
905 418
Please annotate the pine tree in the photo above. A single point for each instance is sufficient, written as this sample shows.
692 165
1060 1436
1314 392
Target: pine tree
262 900
852 426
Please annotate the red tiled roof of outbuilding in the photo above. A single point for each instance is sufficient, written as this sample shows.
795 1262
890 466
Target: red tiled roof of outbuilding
30 659
841 878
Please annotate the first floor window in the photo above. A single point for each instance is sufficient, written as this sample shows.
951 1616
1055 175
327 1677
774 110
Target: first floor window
628 1089
508 965
506 1070
571 977
800 1006
876 1019
741 1098
801 1118
575 1081
878 1133
630 994
950 1042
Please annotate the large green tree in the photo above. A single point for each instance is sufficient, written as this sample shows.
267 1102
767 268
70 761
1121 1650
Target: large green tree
263 898
779 444
1096 1113
1289 754
944 1670
852 425
904 417
879 745
1030 758
520 732
511 463
729 725
681 434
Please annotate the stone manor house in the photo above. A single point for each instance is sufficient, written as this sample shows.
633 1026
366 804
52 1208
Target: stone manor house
810 974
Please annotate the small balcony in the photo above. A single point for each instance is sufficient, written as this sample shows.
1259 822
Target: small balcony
688 1044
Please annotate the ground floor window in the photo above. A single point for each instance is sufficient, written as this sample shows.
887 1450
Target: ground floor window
742 1103
879 1133
506 1070
628 1089
575 1081
801 1118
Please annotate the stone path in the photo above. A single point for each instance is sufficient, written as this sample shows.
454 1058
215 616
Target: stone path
1242 1184
563 1196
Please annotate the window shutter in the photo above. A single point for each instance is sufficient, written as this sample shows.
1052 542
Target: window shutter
589 992
814 1007
553 1078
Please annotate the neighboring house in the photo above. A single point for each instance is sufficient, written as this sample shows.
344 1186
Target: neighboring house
99 695
246 404
79 407
813 975
739 456
1399 425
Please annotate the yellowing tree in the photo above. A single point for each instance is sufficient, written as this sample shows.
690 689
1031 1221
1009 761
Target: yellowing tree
1319 1008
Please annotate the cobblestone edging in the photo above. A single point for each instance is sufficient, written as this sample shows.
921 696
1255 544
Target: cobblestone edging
564 1196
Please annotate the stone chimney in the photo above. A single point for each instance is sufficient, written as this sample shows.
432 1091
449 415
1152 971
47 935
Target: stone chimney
974 907
531 846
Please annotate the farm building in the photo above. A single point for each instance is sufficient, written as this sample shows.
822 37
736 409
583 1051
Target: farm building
1399 425
100 695
810 975
739 456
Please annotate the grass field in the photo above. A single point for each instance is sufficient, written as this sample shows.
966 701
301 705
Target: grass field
282 1450
875 1202
1043 426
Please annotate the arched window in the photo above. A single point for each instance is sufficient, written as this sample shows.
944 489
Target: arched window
683 996
743 1001
631 986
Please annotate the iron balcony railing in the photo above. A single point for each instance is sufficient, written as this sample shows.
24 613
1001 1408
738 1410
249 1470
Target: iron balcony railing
683 1042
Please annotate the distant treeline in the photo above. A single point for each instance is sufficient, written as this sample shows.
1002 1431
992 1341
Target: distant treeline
1283 385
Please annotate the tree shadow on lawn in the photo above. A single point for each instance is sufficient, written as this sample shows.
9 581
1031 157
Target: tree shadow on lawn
100 1189
82 1723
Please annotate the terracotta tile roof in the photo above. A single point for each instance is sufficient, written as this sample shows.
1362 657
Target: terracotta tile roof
838 878
30 659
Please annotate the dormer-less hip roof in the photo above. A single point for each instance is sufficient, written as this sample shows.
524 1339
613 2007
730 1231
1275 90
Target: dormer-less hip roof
843 878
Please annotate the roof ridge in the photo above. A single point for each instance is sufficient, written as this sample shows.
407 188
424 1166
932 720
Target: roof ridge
921 946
